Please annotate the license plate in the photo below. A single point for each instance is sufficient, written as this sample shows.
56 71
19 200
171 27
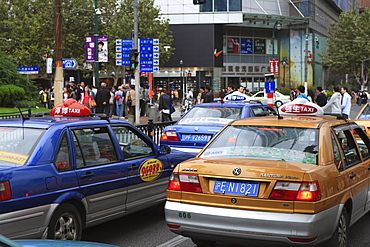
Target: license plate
191 138
236 187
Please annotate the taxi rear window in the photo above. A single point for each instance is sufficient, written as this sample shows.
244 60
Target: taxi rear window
16 144
266 142
211 115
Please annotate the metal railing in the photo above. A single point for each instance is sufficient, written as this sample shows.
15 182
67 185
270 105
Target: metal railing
17 114
154 130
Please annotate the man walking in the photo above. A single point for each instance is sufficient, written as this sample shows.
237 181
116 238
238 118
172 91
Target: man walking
346 102
321 98
102 99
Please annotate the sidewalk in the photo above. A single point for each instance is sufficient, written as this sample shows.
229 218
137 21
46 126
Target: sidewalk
175 116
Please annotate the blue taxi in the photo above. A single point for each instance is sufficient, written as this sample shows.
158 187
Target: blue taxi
196 128
59 175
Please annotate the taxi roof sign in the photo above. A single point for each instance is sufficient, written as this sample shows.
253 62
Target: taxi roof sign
301 106
237 97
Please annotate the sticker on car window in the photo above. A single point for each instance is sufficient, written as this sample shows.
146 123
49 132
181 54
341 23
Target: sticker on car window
262 152
12 157
205 120
150 169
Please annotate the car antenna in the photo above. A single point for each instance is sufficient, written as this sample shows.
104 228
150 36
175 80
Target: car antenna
277 109
19 109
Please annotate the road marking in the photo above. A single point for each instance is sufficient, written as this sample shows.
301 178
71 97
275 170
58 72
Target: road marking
173 242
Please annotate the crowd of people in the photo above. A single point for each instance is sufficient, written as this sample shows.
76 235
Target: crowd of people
338 104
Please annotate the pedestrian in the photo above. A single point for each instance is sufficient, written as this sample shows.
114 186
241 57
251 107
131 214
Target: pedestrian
45 98
363 97
102 99
112 102
203 95
222 94
86 97
334 102
321 98
310 95
131 103
292 94
208 96
301 93
146 101
125 107
346 102
199 95
165 106
65 94
119 102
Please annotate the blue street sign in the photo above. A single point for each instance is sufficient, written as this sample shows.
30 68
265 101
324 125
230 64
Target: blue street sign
118 62
146 69
146 41
126 48
156 62
146 48
155 68
156 55
118 41
146 62
69 63
270 86
28 70
127 42
146 56
126 62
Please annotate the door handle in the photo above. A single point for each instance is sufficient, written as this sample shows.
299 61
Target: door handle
87 175
133 167
368 168
352 175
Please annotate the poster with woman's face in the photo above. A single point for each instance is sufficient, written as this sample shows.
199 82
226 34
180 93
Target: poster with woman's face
103 49
233 45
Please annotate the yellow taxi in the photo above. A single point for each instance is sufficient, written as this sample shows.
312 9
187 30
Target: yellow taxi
297 179
363 118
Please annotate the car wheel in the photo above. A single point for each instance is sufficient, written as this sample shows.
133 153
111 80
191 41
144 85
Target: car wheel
278 104
203 243
340 235
65 224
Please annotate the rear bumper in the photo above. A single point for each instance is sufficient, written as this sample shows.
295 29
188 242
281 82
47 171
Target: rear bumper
250 227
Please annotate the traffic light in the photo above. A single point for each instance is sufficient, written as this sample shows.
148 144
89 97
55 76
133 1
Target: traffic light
199 1
133 59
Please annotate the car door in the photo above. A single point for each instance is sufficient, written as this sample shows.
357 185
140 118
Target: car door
148 172
354 170
101 176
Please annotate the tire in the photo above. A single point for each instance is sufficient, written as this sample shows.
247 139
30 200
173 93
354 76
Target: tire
203 243
65 224
340 236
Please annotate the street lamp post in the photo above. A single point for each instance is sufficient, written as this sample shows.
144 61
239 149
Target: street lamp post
362 73
277 26
96 36
182 79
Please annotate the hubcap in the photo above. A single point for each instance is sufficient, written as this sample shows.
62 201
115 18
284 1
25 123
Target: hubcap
342 232
65 228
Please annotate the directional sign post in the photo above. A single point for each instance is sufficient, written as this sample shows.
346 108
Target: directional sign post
28 70
123 49
69 64
149 55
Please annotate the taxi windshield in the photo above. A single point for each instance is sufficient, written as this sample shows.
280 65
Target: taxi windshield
16 144
365 114
266 142
212 115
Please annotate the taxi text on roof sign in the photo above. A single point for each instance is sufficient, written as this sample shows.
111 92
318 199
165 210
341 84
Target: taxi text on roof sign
301 107
236 97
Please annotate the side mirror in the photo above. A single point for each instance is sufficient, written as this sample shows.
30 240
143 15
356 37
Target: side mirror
164 149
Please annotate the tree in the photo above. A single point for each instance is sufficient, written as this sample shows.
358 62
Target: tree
349 44
26 29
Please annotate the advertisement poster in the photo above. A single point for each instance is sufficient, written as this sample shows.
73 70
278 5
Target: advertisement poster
269 47
233 45
247 46
102 49
259 46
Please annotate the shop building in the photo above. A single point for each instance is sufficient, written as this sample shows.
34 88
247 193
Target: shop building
227 42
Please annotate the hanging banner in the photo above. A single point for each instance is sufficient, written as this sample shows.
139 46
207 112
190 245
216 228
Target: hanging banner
272 66
276 66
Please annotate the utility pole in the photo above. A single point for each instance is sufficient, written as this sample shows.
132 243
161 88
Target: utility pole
137 70
58 77
96 37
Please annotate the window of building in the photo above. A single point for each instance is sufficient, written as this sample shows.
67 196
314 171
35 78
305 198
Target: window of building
221 6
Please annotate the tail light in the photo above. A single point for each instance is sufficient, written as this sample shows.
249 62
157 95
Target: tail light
169 136
184 182
296 191
5 192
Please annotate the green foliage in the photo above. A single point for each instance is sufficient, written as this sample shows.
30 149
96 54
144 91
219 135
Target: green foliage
10 94
348 43
26 28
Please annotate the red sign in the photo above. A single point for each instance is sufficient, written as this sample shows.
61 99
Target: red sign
298 109
274 66
143 74
70 107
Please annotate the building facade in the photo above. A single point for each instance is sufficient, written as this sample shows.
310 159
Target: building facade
237 42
